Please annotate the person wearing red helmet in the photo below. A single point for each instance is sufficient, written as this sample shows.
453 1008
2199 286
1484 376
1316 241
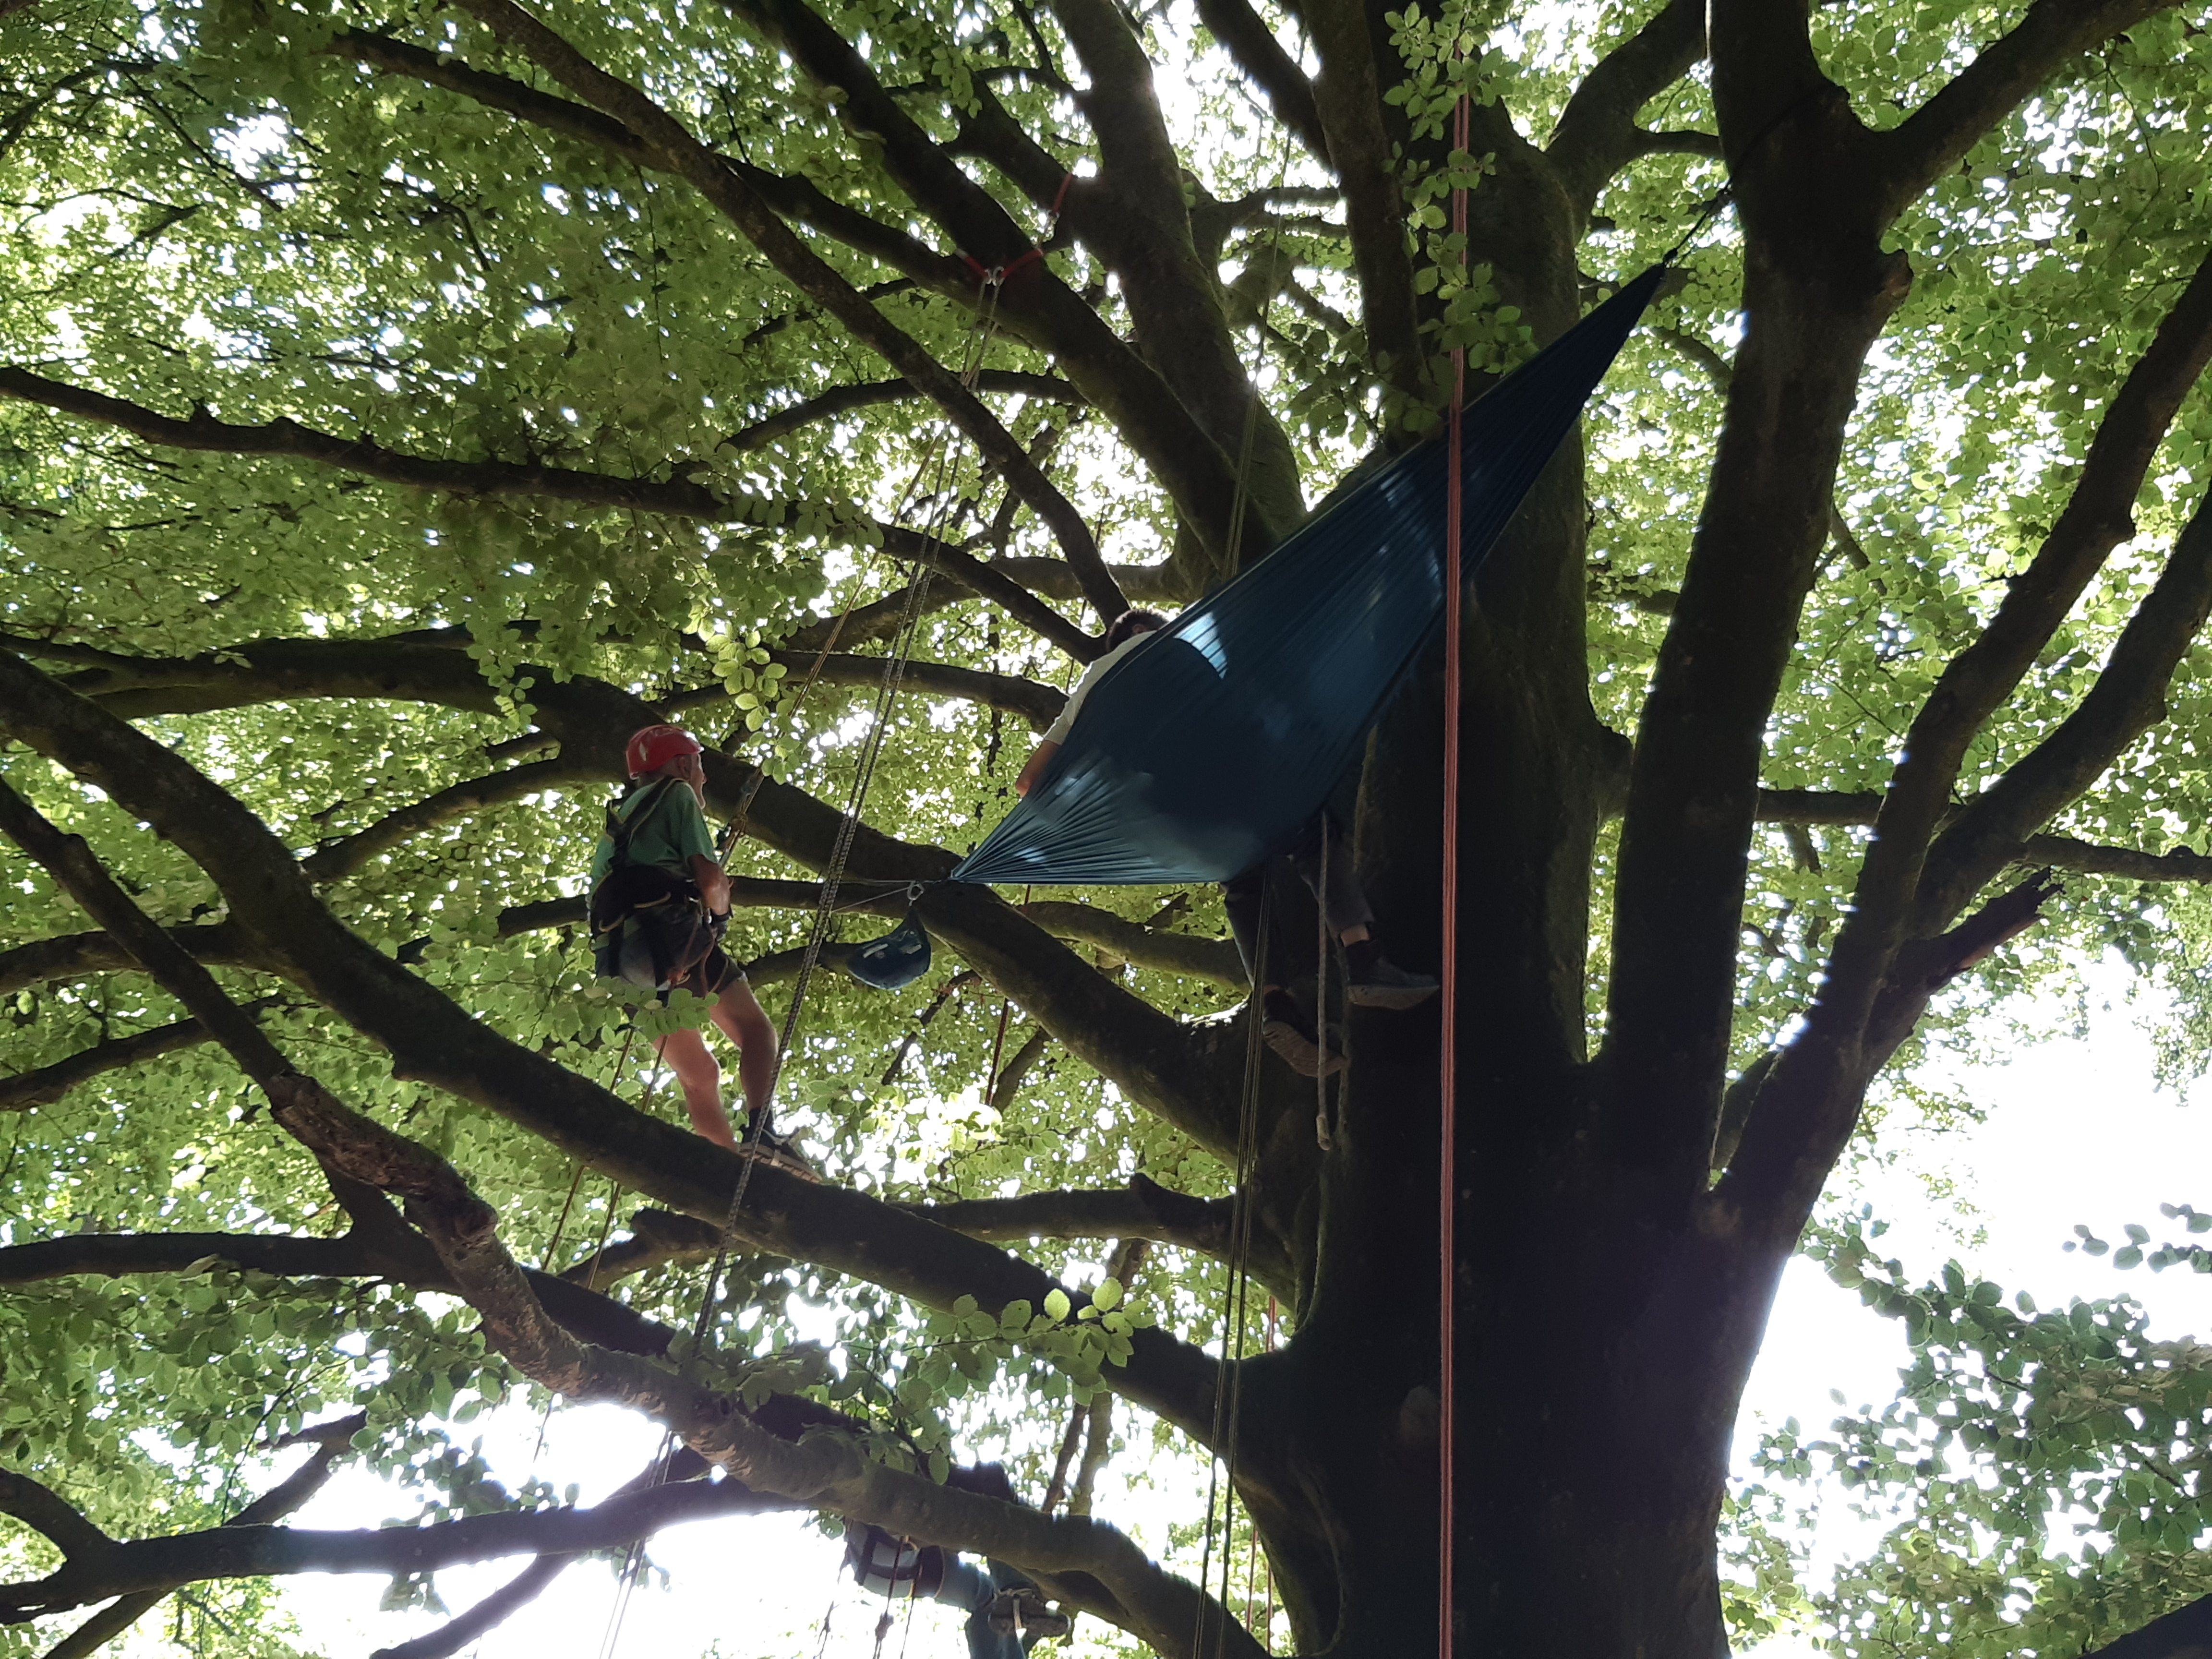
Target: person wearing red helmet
659 903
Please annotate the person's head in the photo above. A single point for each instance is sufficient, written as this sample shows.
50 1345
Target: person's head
665 751
1130 623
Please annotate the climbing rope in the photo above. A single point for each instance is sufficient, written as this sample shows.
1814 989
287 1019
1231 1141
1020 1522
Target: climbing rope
1228 1390
1323 1137
1448 1059
1228 1376
940 455
943 456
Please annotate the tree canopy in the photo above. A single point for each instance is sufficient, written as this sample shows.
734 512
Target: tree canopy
400 406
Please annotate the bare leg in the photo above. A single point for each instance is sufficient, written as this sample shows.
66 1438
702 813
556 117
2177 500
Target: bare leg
695 1069
742 1020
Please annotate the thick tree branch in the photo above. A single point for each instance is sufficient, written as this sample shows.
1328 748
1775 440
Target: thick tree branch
47 1513
2008 72
45 1085
844 399
1144 1209
347 857
434 1040
1805 1106
80 956
1038 703
160 1565
880 619
499 92
79 874
736 201
459 1630
287 439
1148 947
494 1610
1819 288
1678 141
1016 1069
1170 581
675 497
1135 213
1597 134
1975 684
378 1247
1819 806
2128 698
331 1441
1348 95
1245 34
1164 402
2087 858
657 1238
1089 1565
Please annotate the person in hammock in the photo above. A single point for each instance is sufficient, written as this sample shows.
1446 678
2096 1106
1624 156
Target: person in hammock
1321 854
660 904
1006 1613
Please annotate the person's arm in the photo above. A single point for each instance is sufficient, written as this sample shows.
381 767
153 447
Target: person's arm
689 836
714 885
1055 734
1040 757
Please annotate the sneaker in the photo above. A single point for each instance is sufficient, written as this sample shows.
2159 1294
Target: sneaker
1376 982
1283 1027
1042 1622
1004 1616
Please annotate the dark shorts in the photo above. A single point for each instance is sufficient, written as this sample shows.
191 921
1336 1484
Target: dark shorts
711 978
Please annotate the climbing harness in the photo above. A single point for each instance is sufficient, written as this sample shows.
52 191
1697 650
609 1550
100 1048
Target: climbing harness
650 927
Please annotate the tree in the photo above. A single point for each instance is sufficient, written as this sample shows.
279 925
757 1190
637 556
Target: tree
404 405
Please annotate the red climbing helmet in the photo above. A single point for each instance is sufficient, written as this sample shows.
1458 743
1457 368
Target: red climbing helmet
653 747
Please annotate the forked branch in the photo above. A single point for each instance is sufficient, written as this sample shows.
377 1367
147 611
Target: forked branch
736 200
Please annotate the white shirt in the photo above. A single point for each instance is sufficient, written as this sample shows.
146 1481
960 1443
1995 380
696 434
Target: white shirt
1057 731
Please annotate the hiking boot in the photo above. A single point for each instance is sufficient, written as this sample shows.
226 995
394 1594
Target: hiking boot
1004 1616
770 1147
1041 1621
1376 982
1284 1027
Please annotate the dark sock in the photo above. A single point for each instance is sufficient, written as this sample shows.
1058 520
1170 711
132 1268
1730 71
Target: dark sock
1364 955
1278 1003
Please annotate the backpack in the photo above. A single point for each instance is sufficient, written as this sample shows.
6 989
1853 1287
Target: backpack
648 925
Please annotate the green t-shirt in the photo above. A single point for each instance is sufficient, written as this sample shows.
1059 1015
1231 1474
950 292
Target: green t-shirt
674 832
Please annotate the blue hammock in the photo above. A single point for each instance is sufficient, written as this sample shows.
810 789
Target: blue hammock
1215 740
1212 743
